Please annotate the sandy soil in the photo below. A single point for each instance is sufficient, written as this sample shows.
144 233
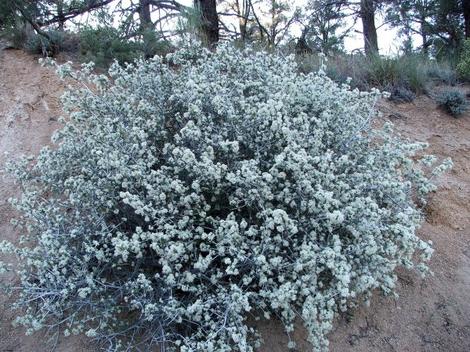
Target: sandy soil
29 108
430 315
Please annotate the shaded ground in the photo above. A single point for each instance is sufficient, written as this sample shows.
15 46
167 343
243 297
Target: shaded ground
430 315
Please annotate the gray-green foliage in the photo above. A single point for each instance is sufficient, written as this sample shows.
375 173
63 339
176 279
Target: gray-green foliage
37 44
57 41
453 101
185 195
402 95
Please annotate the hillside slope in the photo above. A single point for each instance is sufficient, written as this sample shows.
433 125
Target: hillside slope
430 315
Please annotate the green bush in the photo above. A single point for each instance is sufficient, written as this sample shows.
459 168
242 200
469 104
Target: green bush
453 101
105 44
179 203
463 67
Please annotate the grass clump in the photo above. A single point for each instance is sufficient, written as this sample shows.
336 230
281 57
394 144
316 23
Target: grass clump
404 72
409 73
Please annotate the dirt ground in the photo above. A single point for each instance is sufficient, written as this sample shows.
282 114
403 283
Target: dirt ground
430 315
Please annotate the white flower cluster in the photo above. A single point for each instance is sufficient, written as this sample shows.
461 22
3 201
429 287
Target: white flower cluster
187 194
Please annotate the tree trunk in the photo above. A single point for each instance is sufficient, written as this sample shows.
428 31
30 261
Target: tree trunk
371 46
146 28
60 14
424 36
209 21
466 16
301 47
243 11
144 14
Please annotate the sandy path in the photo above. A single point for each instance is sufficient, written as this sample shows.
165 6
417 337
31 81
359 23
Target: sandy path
430 315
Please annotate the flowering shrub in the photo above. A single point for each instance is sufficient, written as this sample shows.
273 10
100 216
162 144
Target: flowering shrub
188 194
